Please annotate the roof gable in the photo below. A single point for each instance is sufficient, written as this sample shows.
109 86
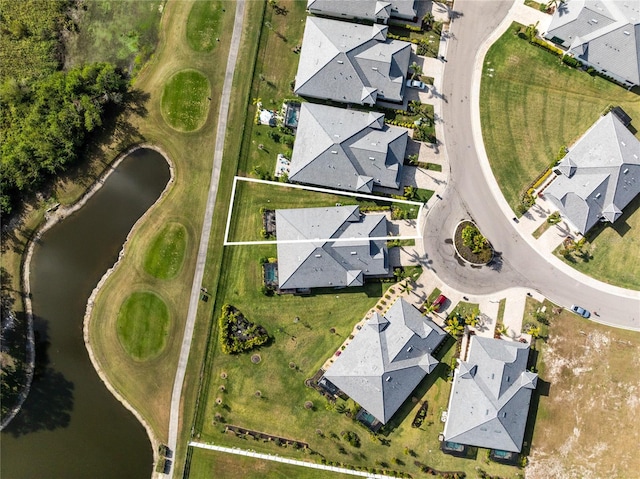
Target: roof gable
490 398
601 171
347 149
387 359
604 33
307 258
351 63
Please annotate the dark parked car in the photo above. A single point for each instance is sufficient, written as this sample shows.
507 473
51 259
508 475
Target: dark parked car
581 311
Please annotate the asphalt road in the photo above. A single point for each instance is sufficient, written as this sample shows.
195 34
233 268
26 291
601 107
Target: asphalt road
469 195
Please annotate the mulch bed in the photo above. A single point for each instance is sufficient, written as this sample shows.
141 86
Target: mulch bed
467 253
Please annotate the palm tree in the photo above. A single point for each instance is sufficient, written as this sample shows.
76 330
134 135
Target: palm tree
534 331
454 326
406 287
427 21
416 70
502 329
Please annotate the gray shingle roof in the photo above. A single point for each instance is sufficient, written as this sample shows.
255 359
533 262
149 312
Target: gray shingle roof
322 263
387 359
600 174
364 9
351 63
603 33
347 149
490 398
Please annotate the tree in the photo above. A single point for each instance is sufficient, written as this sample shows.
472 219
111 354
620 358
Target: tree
416 70
531 31
471 318
502 329
429 309
554 218
410 192
454 327
406 287
45 126
427 21
533 330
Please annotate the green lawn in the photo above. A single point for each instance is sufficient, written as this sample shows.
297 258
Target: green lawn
246 223
275 68
185 100
165 256
531 105
143 325
612 251
204 24
220 465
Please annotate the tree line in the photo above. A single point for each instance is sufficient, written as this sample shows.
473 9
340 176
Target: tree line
46 114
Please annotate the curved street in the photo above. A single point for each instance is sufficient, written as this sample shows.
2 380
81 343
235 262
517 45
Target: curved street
473 192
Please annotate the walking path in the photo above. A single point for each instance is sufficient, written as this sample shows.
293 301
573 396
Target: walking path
284 460
223 113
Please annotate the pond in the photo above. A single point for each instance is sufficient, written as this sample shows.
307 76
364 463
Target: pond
70 425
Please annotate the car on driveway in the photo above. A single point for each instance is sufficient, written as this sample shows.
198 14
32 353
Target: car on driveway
581 311
416 84
440 300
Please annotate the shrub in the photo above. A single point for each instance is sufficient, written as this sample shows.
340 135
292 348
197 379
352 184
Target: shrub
238 334
571 61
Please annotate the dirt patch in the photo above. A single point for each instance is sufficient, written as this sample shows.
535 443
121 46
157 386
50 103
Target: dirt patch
585 426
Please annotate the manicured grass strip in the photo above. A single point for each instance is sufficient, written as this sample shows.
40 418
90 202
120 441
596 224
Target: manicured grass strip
501 306
206 463
165 256
434 167
204 25
433 296
143 325
185 100
531 104
541 229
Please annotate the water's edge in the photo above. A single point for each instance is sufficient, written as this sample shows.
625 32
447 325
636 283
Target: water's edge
51 220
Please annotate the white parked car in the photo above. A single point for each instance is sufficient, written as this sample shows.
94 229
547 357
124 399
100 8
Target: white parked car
416 84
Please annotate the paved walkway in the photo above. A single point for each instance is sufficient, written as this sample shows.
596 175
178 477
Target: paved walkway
223 113
284 460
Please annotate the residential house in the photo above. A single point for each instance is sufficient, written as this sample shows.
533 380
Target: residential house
387 359
347 149
351 63
603 34
330 247
372 10
600 175
490 397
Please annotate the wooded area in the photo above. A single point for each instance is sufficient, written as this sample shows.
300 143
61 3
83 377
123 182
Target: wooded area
45 113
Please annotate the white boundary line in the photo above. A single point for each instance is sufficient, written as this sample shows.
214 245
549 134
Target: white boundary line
318 190
285 460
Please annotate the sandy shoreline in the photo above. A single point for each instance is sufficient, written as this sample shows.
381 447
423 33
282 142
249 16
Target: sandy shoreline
54 218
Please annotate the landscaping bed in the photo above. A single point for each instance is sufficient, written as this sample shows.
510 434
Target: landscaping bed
470 245
237 333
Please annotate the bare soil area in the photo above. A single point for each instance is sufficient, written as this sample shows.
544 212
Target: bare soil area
587 425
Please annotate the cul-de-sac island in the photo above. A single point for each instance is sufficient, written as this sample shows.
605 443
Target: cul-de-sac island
320 239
